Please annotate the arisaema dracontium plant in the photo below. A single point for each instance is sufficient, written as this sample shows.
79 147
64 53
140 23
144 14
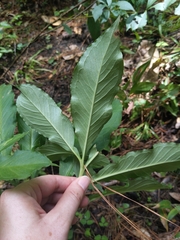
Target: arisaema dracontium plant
95 112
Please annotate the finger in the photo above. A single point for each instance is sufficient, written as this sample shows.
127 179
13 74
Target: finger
42 187
52 199
55 197
84 202
50 204
75 220
64 211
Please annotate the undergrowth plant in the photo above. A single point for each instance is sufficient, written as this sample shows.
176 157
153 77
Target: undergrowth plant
76 144
156 21
30 69
135 15
167 210
148 98
88 223
8 37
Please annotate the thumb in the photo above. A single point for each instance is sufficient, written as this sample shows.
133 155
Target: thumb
64 211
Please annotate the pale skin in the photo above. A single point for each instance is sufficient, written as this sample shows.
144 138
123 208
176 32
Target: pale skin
42 208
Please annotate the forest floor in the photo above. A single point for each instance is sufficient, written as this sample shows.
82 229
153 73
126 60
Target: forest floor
48 62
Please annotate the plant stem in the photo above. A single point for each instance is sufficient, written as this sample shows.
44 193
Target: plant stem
81 171
91 159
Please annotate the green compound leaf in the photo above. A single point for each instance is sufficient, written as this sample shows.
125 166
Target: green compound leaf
97 11
125 5
136 21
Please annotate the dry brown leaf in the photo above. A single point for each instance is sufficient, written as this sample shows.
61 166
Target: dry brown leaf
120 237
51 20
153 69
164 223
166 236
139 235
59 30
26 24
77 30
73 47
68 57
1 184
128 63
177 64
175 195
177 125
79 54
130 107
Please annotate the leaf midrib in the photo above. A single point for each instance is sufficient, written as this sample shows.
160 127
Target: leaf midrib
89 122
133 169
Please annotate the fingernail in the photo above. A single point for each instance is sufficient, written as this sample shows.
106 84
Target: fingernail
84 182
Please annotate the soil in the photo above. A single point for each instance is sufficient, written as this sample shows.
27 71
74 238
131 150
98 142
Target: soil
59 52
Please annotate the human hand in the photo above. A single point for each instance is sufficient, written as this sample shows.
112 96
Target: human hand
42 208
